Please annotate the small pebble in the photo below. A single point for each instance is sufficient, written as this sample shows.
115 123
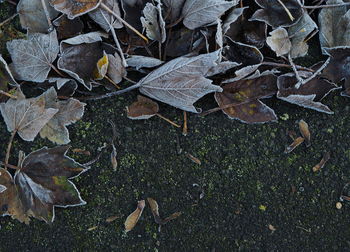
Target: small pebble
338 205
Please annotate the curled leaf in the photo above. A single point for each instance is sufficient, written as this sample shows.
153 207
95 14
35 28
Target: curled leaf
101 67
305 132
298 141
133 218
153 22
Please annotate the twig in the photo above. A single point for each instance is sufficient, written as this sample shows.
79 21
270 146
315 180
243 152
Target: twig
8 19
8 150
286 9
185 128
295 69
7 94
129 80
168 120
286 65
47 15
57 71
10 166
326 6
314 74
105 7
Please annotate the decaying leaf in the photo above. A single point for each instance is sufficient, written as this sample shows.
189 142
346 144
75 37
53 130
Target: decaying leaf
155 211
133 218
334 26
41 183
320 165
101 67
308 94
153 22
305 132
198 13
26 116
242 99
32 59
32 15
143 108
79 56
116 71
181 81
276 14
75 8
105 19
69 111
279 41
298 141
67 28
338 68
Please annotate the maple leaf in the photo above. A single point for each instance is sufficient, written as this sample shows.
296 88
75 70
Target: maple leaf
69 111
41 183
26 116
32 59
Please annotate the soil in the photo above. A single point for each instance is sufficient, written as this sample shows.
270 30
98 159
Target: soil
255 196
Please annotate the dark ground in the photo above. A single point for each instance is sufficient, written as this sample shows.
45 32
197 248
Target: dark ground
248 182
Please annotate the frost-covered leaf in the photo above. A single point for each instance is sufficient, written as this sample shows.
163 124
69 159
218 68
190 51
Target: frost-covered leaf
308 95
75 8
26 116
338 68
67 28
153 22
243 98
298 33
104 18
134 217
334 26
198 13
139 62
274 14
231 17
79 56
279 41
101 67
32 15
32 59
174 7
69 111
43 182
181 81
143 108
116 71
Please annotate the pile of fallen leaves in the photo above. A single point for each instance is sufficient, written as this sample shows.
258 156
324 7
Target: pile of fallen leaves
77 50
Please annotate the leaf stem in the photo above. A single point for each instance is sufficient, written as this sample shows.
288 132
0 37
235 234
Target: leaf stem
57 71
105 7
7 94
286 65
99 97
286 9
47 15
168 120
9 145
185 128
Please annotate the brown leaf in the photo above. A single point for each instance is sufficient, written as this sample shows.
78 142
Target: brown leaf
133 218
143 108
296 143
67 28
155 211
305 132
320 165
101 67
75 8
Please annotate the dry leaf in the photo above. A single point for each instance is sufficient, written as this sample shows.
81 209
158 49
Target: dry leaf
104 18
143 108
26 116
75 8
101 67
32 59
181 81
32 15
67 28
139 62
296 143
153 22
324 160
304 130
279 41
155 211
116 71
133 218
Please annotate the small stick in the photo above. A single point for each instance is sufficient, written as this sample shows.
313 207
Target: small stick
287 66
286 9
47 15
11 166
300 80
57 71
168 120
105 7
9 145
185 128
314 74
129 80
111 81
7 94
8 19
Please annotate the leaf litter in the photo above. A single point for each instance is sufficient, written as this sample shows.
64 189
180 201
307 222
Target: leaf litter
178 52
